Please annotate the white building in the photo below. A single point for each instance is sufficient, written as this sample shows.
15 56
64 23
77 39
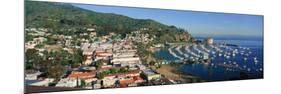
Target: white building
107 82
44 82
97 84
68 82
129 61
32 76
150 75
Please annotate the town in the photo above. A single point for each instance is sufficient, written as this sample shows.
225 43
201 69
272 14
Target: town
107 61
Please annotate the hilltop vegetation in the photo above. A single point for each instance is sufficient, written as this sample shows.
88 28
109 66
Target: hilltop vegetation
67 19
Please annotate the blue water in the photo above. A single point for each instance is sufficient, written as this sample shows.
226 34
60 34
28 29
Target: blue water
216 71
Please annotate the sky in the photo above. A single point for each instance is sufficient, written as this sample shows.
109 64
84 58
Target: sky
201 24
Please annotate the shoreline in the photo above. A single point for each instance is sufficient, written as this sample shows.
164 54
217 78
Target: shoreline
171 73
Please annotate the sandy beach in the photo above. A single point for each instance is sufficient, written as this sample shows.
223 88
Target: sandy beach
170 72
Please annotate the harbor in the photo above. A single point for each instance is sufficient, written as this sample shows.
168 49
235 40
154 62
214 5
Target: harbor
215 61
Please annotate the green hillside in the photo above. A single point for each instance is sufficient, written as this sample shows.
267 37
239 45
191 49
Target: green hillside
60 16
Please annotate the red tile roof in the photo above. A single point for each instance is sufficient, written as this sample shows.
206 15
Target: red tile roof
137 78
82 74
126 82
108 68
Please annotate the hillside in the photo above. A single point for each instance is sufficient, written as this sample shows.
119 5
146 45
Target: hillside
60 16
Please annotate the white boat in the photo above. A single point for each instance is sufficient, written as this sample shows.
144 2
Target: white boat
174 54
256 61
245 58
255 58
248 69
227 57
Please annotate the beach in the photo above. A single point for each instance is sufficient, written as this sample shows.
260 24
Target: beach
171 73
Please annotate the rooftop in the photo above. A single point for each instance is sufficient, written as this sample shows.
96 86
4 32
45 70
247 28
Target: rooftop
81 74
149 72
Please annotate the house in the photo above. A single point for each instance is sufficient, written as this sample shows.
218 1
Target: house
130 61
97 84
138 79
91 29
88 48
44 82
32 76
88 77
130 81
82 75
68 82
37 82
124 54
108 82
88 68
30 45
89 51
88 60
126 82
88 82
93 34
111 33
39 40
101 55
141 66
151 75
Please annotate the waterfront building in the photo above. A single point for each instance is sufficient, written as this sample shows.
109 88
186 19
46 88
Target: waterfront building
150 75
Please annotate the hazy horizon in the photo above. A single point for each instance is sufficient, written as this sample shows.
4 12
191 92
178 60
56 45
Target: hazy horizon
200 24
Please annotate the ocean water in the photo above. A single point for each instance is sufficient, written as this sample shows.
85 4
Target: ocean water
221 68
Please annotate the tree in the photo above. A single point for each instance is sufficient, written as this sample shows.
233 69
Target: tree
28 66
99 64
39 45
55 71
44 65
31 54
113 70
83 84
77 58
32 58
100 75
28 37
123 70
152 63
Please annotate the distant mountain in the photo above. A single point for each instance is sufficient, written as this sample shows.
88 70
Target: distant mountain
59 16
